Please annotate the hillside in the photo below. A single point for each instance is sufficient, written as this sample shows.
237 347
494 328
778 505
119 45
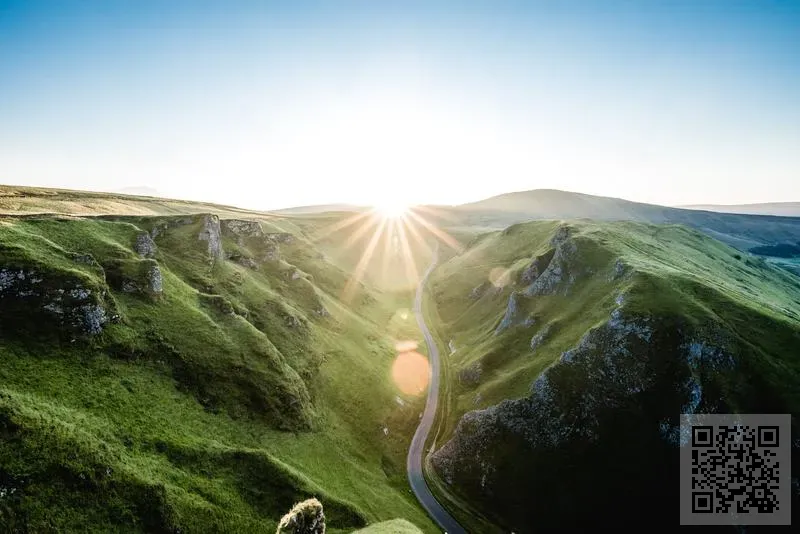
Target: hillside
575 346
783 209
188 373
737 230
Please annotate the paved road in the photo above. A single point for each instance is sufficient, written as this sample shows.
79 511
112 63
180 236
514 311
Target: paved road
416 451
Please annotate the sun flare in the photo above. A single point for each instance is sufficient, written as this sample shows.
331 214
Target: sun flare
391 208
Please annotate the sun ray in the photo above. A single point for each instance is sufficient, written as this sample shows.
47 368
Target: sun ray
341 225
387 248
408 256
358 273
442 235
438 212
412 229
362 230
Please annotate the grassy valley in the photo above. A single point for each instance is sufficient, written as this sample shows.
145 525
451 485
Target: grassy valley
169 373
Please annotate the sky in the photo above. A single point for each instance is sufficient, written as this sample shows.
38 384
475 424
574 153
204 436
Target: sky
267 105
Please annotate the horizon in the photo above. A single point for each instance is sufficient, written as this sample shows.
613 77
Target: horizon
267 108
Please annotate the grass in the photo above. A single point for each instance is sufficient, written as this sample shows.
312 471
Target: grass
213 406
673 274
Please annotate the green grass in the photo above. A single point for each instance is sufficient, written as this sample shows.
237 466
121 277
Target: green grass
674 275
214 406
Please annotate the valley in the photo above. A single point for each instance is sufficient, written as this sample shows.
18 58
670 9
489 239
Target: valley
173 367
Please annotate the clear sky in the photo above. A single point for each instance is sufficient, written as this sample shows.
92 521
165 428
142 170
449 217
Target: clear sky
275 104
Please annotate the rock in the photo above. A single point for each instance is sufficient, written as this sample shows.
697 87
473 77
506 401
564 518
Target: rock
540 337
322 311
154 280
306 517
295 275
281 237
536 267
452 346
510 315
293 322
619 270
38 299
243 228
211 234
144 245
135 276
606 371
271 253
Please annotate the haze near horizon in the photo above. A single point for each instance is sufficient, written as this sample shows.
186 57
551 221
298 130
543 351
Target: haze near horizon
267 107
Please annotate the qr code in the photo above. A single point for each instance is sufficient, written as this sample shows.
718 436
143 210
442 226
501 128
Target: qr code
735 469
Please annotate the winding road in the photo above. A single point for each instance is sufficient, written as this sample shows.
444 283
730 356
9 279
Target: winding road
415 453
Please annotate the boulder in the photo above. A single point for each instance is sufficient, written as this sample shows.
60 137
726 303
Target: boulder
306 517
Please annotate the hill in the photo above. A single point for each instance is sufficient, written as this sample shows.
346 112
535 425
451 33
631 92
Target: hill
575 346
783 209
740 231
193 373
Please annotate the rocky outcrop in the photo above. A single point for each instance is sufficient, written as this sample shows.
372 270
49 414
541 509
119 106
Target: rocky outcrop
210 233
511 315
141 277
306 517
619 270
32 299
243 228
536 267
561 271
541 336
632 372
144 245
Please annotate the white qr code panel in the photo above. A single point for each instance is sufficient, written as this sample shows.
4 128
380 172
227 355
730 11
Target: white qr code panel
735 469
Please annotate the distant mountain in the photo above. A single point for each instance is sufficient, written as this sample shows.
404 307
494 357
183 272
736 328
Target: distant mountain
739 230
320 208
784 209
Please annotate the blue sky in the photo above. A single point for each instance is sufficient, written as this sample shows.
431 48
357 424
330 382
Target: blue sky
267 104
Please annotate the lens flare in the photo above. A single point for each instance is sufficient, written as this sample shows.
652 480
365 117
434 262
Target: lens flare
411 372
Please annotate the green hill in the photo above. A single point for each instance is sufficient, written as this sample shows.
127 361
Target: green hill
574 349
170 373
742 231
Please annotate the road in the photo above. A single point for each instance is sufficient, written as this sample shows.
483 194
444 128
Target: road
417 449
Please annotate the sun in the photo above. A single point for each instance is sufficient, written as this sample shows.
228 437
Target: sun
391 208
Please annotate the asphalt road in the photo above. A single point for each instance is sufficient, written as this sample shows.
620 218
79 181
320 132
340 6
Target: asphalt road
416 451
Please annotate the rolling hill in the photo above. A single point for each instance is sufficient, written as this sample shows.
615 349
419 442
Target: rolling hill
574 347
738 230
186 372
784 209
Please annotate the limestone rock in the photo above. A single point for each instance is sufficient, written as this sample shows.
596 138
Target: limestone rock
42 298
541 337
478 291
144 245
306 517
511 314
211 233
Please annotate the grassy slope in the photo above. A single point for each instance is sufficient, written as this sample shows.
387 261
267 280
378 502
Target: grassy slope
698 275
677 272
177 414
